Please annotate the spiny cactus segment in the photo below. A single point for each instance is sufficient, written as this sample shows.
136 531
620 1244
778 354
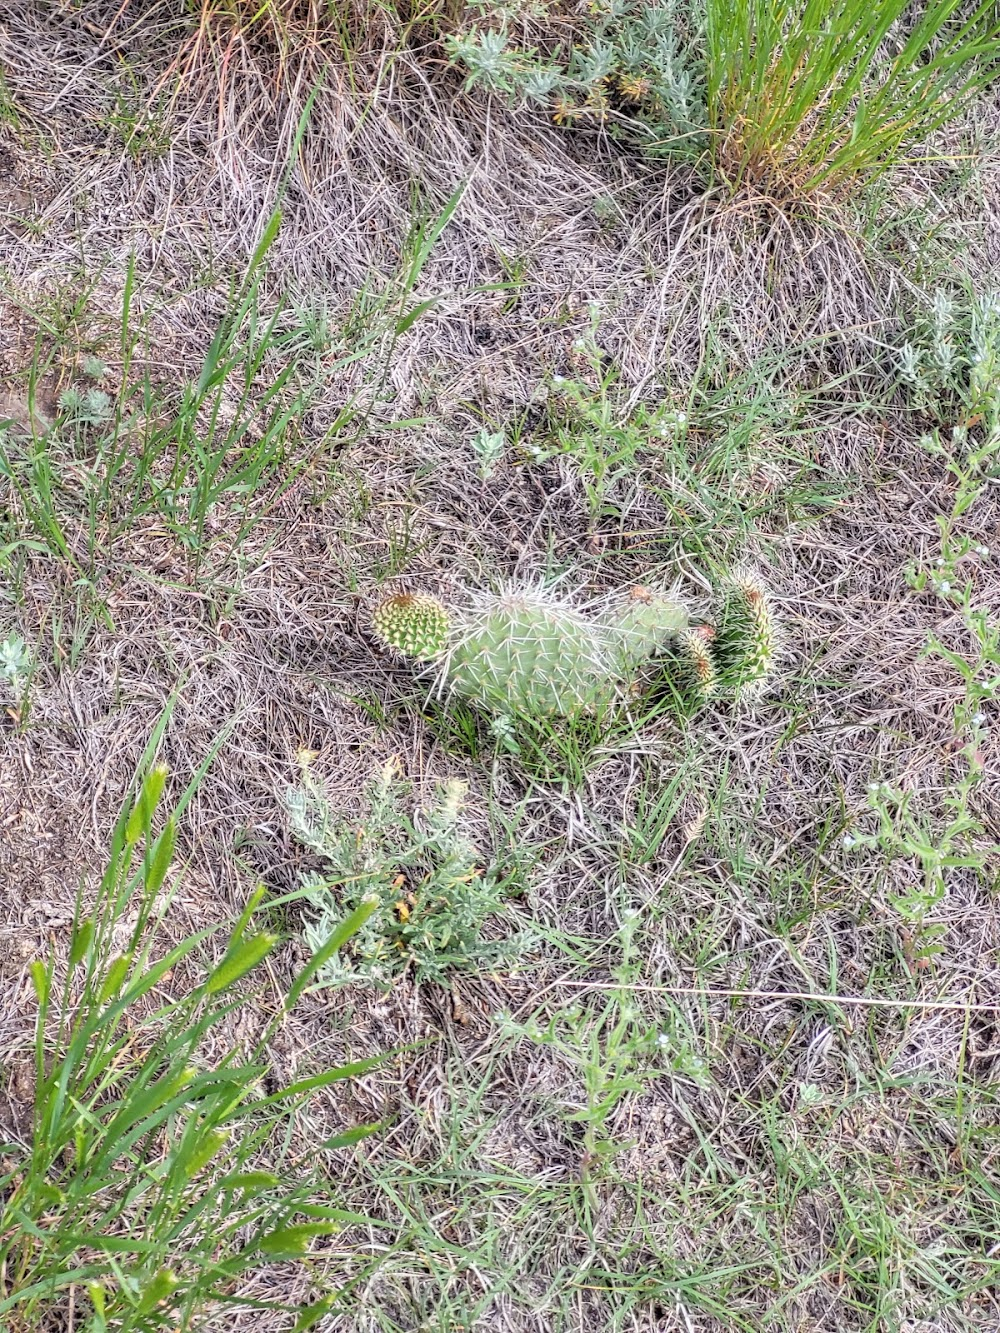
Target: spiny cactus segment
414 624
688 668
746 641
525 653
643 622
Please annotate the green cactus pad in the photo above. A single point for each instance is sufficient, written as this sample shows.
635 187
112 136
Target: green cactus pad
642 623
525 653
746 645
414 624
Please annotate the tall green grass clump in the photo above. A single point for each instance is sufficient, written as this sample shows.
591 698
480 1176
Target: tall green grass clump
808 94
147 1191
787 96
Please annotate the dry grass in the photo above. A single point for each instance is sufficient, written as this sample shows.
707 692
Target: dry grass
808 1165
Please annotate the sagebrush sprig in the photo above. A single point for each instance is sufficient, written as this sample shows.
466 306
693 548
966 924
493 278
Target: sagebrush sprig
432 892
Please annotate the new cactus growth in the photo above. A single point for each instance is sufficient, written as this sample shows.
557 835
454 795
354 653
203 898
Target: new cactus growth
414 624
688 668
524 653
746 642
643 622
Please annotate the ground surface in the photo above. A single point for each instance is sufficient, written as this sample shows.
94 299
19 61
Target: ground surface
784 1161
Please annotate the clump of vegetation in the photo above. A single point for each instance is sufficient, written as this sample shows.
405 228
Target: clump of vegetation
805 95
789 96
140 1196
524 651
952 357
527 654
637 65
430 896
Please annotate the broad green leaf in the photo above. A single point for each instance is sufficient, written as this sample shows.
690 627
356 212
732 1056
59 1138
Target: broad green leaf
239 930
252 1182
351 1136
211 1144
411 317
305 1085
293 1242
98 1297
142 812
310 1317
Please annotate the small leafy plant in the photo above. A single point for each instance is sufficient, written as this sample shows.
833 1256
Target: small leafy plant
429 894
952 358
637 66
15 664
954 363
613 1052
589 422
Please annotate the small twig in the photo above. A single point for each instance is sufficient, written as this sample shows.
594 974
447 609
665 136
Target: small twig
955 1006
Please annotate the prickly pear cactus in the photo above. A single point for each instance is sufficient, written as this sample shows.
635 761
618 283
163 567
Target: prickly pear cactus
525 653
643 622
746 639
414 624
688 668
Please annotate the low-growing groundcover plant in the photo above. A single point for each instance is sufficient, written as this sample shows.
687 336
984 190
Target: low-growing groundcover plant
427 892
147 1191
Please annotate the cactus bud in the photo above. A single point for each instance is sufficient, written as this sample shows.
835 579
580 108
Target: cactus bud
414 624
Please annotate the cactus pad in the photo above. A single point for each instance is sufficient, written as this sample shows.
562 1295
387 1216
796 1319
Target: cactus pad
643 622
525 653
414 624
746 646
